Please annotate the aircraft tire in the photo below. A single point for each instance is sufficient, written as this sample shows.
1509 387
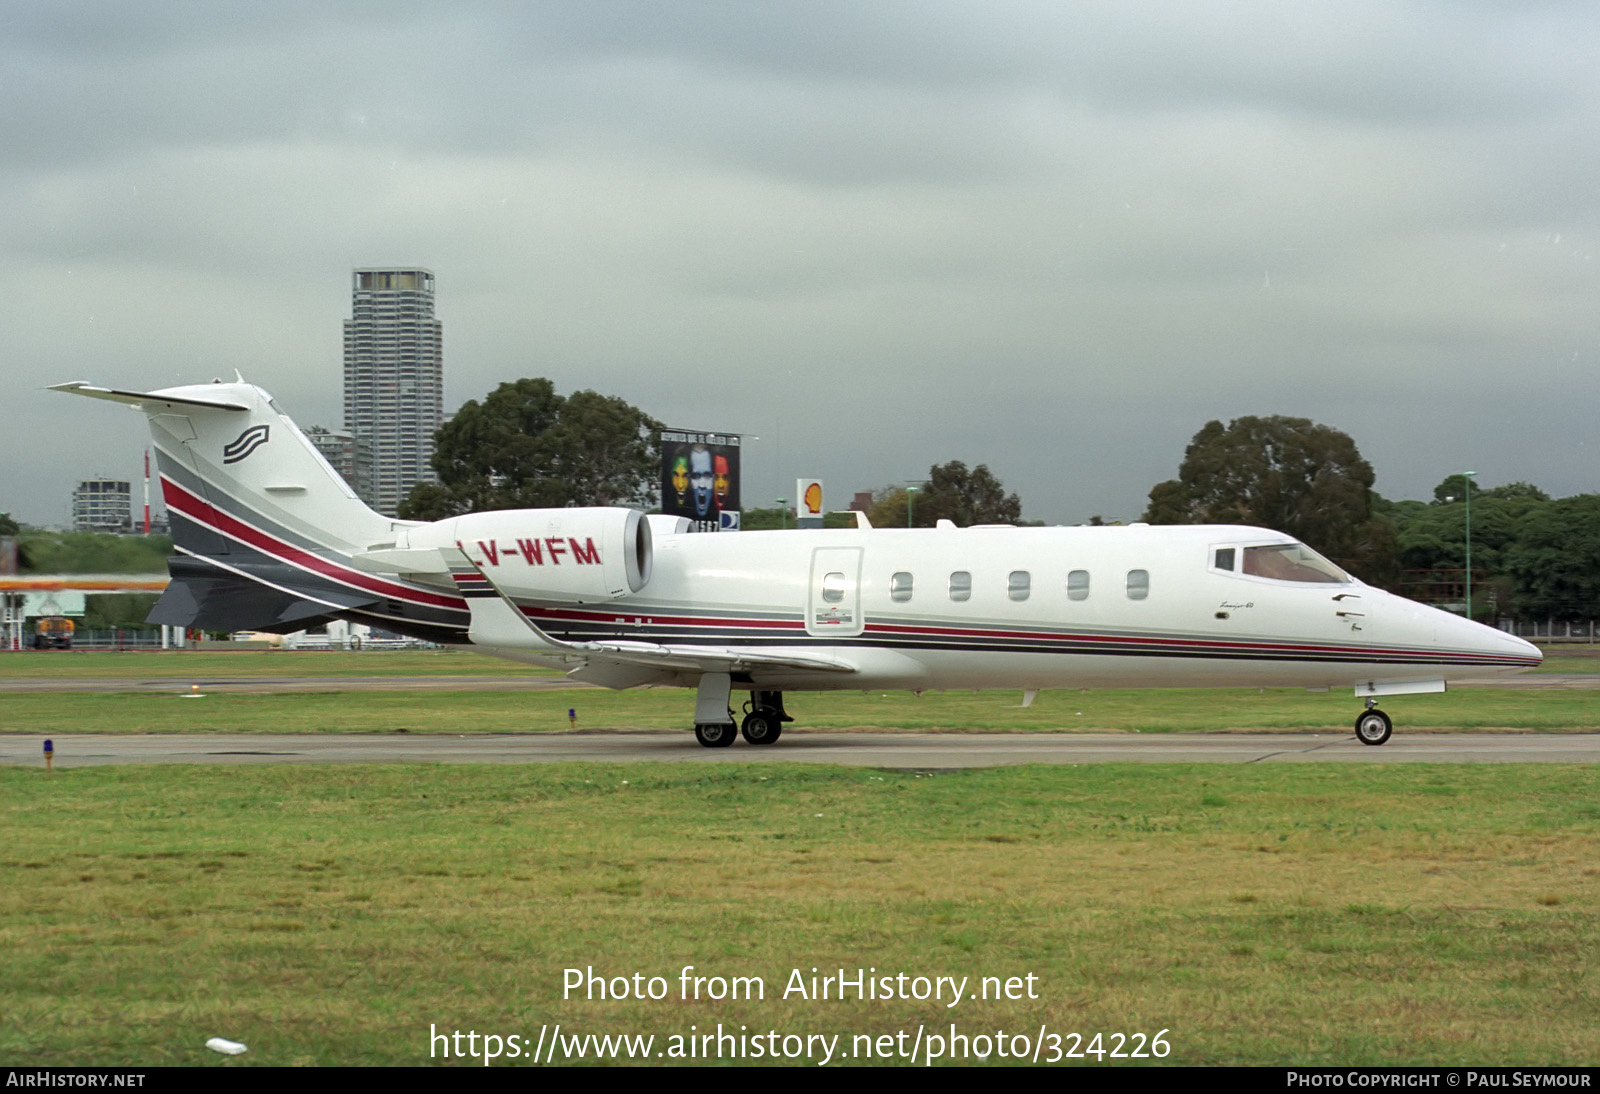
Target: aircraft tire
715 734
1373 727
761 727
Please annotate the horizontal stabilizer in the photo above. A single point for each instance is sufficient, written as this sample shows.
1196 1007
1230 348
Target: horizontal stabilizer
140 398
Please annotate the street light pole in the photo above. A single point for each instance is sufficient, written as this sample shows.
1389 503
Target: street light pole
911 502
1466 479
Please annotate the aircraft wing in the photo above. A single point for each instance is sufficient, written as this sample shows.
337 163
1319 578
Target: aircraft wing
702 658
497 621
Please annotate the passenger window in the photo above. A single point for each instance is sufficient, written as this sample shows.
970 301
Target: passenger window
1017 584
1138 584
832 588
1224 558
900 587
961 585
1078 585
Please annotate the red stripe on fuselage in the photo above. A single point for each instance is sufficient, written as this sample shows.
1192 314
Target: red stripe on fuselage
1152 646
201 510
1194 643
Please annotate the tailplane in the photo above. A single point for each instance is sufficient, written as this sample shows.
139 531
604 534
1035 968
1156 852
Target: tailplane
264 527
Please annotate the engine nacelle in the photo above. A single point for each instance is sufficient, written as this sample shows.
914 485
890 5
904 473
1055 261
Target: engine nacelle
559 556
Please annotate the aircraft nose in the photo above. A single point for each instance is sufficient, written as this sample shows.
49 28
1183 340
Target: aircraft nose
1522 648
1497 642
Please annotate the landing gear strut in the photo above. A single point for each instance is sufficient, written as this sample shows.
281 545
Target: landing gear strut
1373 727
713 721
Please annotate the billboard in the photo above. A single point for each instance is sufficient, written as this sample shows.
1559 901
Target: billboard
808 503
700 478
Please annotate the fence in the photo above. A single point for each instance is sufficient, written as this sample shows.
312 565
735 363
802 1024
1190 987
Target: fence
1551 630
111 639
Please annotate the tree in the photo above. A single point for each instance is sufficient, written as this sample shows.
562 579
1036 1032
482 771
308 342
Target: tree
1455 487
1288 474
8 527
1556 559
967 498
526 447
889 504
1516 491
951 493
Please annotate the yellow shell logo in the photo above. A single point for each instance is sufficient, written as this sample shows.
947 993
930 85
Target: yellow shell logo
814 498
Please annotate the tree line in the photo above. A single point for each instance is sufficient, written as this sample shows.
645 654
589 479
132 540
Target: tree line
1533 556
525 446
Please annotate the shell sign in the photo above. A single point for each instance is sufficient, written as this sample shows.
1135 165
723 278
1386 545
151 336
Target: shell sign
809 493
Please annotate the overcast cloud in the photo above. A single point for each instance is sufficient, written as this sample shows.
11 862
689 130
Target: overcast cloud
1054 238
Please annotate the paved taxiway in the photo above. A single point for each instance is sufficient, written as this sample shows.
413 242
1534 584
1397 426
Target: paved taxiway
263 685
918 751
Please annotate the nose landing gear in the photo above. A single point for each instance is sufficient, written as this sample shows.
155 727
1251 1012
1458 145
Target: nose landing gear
715 734
1373 727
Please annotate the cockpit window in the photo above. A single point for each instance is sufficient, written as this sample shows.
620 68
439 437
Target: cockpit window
1292 562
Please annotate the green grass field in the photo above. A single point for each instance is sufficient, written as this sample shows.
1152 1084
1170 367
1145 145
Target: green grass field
162 710
148 706
215 664
1285 914
212 664
1260 915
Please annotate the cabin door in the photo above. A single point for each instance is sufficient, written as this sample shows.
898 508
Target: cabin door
833 600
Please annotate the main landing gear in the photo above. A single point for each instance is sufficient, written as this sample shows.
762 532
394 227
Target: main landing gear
764 717
1373 727
763 722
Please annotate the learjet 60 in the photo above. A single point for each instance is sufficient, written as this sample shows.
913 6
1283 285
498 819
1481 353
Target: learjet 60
269 537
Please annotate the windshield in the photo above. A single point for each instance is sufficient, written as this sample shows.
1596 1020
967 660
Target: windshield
1292 562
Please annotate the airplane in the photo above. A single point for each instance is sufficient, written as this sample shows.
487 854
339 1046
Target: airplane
269 537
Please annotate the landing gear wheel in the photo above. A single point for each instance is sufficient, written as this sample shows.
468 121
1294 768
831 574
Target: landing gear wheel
715 734
1373 727
761 727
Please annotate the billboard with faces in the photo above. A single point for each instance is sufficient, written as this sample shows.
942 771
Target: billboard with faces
700 478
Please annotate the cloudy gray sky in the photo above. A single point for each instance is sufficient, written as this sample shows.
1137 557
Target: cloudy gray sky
1051 237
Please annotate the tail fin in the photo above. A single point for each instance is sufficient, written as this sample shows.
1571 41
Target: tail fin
264 527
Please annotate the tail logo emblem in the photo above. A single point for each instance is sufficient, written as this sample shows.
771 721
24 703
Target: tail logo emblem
245 443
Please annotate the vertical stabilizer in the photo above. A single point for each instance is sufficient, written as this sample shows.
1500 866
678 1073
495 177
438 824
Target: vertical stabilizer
263 525
231 460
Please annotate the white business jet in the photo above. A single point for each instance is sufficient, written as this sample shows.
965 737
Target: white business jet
269 537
